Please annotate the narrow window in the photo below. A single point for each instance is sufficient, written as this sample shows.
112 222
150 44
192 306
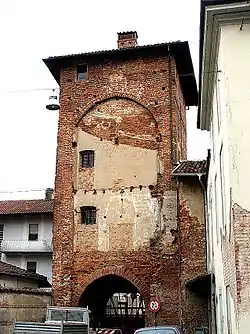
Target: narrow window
217 207
88 215
1 232
221 314
218 100
214 311
87 158
223 193
33 232
82 71
31 266
229 312
1 237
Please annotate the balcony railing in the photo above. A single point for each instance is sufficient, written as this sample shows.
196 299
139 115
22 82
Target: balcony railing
26 246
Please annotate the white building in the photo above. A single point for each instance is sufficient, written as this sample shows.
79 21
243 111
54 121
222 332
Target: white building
26 233
224 110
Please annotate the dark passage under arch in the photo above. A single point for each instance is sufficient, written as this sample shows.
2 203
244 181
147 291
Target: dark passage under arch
114 302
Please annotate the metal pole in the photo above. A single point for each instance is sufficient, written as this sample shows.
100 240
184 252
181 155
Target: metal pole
155 319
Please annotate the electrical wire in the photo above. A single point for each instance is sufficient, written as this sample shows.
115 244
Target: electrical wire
21 191
27 90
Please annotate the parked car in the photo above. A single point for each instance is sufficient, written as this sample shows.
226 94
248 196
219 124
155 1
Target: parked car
160 330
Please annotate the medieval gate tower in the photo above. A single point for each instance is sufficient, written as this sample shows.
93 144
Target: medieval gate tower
117 221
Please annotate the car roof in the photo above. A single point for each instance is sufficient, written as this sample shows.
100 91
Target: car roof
157 327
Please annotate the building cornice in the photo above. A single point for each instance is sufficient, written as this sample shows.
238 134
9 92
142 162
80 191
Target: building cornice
215 18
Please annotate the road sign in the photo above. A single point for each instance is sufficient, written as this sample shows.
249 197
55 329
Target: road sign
154 305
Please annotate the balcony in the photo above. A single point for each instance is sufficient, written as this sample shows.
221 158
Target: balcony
26 246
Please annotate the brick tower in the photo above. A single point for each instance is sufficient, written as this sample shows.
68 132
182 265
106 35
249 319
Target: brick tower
122 129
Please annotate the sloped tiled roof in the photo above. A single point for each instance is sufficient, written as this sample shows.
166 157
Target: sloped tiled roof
190 167
26 206
90 53
9 269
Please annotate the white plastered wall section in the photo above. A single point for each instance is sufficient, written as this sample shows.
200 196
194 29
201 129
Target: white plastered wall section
219 186
237 66
132 166
138 207
231 101
226 45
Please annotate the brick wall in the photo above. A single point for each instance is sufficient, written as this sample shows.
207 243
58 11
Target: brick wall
239 256
127 99
192 243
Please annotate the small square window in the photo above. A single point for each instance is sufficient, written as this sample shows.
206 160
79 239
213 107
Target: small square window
88 215
33 232
31 266
82 71
87 158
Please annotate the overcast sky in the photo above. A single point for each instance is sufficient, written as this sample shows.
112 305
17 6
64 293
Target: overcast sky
32 30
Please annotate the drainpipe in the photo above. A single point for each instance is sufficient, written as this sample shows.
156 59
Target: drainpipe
170 103
205 212
180 250
210 302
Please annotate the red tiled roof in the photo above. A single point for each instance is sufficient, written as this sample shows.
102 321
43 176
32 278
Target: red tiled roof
190 167
26 206
9 269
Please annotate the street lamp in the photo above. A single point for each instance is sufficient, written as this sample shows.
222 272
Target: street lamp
53 103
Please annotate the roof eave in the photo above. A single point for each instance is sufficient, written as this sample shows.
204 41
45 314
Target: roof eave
207 71
42 280
187 174
24 213
213 15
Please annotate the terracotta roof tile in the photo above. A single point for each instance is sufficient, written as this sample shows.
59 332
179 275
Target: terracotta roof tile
189 167
9 269
26 206
138 47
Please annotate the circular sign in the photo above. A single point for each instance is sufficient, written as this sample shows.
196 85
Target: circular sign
154 305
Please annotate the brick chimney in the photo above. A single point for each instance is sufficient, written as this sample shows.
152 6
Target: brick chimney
127 39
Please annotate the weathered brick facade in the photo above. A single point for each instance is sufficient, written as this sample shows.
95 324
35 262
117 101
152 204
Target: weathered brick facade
131 112
192 241
235 252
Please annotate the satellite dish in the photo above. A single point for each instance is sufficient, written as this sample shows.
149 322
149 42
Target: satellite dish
53 103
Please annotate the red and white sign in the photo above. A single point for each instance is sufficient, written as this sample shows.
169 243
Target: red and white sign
154 305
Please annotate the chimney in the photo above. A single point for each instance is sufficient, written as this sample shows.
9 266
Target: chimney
49 193
127 39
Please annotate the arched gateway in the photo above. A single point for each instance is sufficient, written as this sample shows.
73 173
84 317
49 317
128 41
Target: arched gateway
114 302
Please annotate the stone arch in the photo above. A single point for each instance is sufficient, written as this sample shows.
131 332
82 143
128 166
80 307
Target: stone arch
121 120
105 97
118 271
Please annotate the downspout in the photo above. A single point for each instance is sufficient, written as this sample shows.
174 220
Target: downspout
210 302
170 103
180 254
205 213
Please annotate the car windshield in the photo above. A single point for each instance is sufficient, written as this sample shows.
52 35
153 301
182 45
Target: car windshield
158 331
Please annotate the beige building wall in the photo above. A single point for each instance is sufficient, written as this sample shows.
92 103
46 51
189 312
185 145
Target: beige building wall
142 165
22 305
123 135
8 281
